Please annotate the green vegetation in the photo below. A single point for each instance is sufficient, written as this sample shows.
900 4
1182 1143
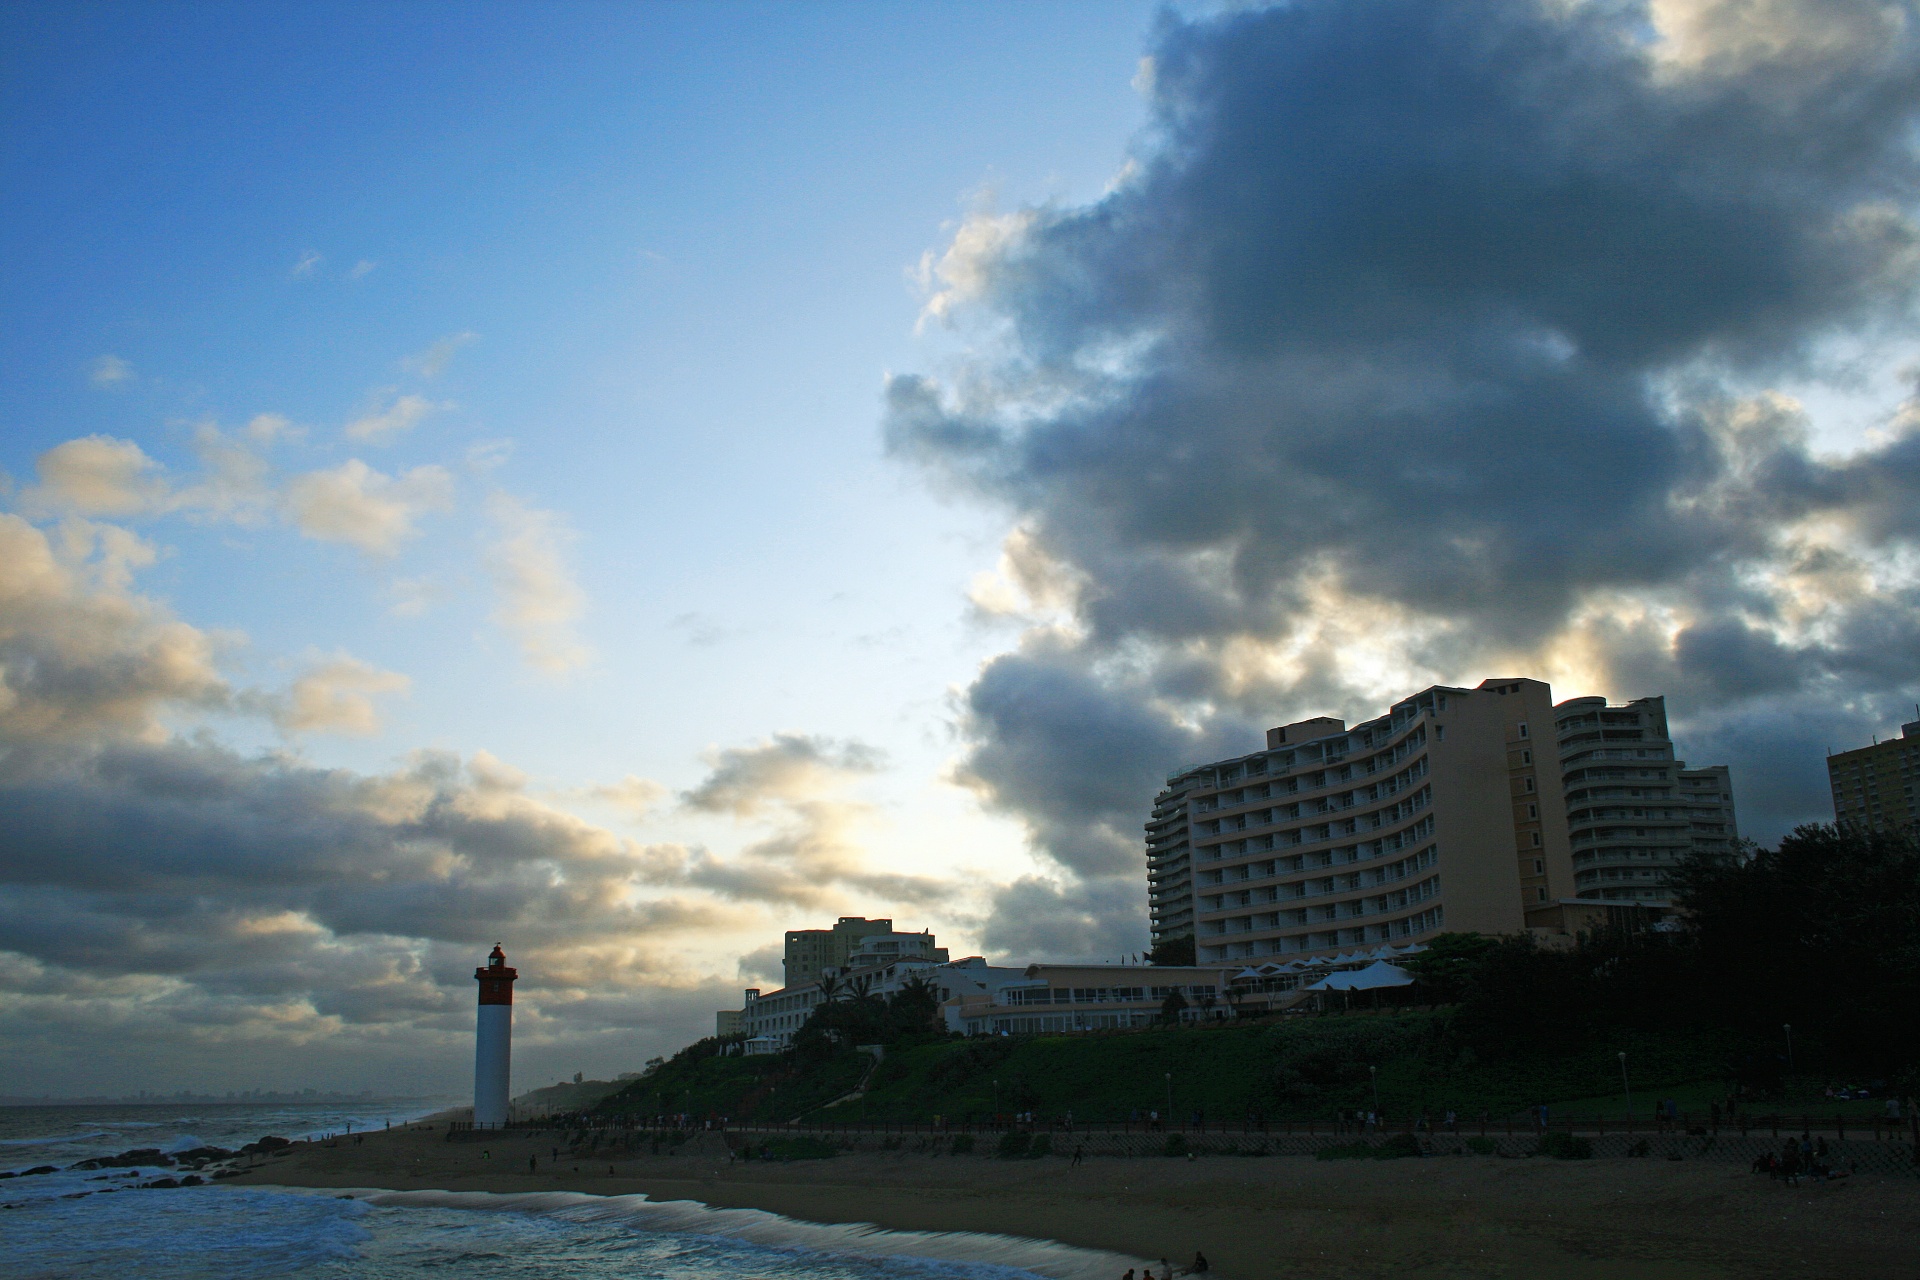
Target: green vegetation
1565 1146
1398 1147
802 1148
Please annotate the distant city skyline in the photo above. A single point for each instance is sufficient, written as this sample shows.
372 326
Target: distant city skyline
626 482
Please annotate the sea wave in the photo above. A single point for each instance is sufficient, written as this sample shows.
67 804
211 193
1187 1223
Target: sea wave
950 1252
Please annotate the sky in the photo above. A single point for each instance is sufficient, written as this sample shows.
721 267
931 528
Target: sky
627 480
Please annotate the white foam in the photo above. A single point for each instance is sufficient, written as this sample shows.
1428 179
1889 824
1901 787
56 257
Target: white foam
1047 1258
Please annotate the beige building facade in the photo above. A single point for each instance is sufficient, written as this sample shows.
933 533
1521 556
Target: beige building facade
1449 813
852 941
1873 786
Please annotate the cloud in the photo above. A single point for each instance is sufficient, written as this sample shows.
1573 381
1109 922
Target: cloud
402 415
539 603
336 696
814 855
355 504
362 269
1423 341
637 797
104 476
99 476
433 362
109 371
308 262
271 904
81 654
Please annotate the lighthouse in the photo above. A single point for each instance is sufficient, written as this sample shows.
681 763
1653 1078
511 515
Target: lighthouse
493 1040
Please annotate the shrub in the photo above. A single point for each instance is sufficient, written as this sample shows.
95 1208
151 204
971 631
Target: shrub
798 1149
1565 1146
1176 1145
962 1144
1014 1144
1398 1147
1042 1146
1482 1146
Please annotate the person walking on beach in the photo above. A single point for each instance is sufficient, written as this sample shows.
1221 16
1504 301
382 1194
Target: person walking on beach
1199 1267
1079 1154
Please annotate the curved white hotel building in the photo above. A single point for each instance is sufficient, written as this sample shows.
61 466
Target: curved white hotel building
1449 813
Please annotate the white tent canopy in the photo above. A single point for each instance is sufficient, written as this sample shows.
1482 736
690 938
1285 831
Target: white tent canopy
1377 974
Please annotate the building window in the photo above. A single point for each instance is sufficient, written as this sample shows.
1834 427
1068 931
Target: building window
1523 728
1529 784
1540 868
1542 892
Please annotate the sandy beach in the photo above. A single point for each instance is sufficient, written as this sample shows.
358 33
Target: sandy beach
1254 1218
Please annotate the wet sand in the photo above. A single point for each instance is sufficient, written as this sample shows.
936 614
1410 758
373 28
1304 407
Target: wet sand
1255 1218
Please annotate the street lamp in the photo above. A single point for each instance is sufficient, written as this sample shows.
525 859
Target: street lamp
1625 1087
1169 1097
1373 1073
1788 1028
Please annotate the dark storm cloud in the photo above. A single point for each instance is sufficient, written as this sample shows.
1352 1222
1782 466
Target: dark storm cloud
1459 312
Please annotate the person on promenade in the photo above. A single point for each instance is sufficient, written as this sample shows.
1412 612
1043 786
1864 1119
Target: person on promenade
1166 1270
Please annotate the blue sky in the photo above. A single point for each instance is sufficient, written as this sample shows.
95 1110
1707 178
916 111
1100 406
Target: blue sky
624 480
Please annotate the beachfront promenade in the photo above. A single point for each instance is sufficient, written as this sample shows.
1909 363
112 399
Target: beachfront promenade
1854 1144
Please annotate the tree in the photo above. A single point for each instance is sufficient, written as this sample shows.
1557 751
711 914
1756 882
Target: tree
1172 1007
1449 963
1822 932
1172 951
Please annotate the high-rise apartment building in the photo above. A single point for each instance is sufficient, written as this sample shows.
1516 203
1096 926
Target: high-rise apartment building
811 952
1633 810
1873 787
1449 813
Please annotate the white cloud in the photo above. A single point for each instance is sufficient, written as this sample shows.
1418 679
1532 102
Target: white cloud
405 413
539 602
80 653
109 371
99 476
362 269
305 266
355 504
271 428
636 796
433 362
336 696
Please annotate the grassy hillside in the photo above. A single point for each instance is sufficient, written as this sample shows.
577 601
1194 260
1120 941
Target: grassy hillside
1300 1069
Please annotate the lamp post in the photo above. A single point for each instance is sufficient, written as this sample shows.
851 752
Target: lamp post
1169 1097
1626 1089
1373 1074
996 1103
1788 1028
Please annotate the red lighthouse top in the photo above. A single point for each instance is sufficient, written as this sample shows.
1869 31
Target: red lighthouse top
496 979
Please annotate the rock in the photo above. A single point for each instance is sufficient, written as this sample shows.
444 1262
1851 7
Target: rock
191 1181
200 1155
128 1159
161 1184
268 1143
37 1170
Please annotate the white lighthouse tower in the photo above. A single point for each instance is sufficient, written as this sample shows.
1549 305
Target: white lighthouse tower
493 1040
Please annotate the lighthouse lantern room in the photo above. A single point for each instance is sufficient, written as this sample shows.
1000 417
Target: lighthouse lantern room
493 1040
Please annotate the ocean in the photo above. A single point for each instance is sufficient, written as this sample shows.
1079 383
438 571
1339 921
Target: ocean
95 1225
